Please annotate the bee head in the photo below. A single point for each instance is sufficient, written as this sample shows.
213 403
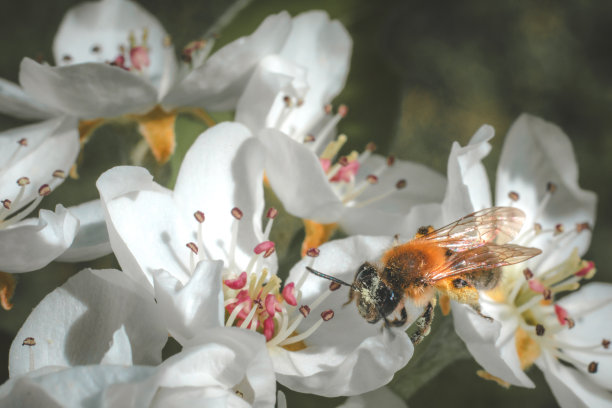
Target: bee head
374 299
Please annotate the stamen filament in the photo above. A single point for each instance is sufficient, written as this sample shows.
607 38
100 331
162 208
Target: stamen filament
374 199
248 319
232 316
304 335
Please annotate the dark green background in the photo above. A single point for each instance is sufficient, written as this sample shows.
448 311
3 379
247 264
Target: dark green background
423 74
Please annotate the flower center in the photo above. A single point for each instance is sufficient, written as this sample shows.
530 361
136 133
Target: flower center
342 174
530 295
255 301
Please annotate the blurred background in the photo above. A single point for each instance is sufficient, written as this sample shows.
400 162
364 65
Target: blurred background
423 74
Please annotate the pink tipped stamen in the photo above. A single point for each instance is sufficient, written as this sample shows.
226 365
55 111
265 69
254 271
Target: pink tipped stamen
586 270
269 328
536 286
562 315
139 57
264 247
237 283
346 173
289 294
270 304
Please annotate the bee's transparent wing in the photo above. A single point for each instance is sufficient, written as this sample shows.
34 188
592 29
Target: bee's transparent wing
497 225
485 257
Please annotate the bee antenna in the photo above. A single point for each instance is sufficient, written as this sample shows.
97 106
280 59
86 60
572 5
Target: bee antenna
331 278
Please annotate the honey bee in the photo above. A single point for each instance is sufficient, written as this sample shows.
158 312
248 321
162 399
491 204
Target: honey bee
456 260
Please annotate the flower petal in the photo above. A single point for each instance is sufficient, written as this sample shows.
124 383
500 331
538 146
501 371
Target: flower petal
219 81
120 351
402 212
91 241
74 387
189 309
298 179
88 90
15 102
323 47
468 186
94 31
590 307
75 323
491 343
51 145
383 397
220 362
144 229
535 153
262 101
33 243
570 387
223 169
333 363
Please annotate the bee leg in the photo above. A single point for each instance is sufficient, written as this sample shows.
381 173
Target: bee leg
476 308
423 324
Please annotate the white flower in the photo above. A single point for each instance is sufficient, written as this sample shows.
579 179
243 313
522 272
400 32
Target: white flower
286 103
566 338
113 58
169 240
34 160
96 340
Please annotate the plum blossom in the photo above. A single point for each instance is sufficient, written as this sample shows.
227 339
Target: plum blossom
566 337
204 254
96 340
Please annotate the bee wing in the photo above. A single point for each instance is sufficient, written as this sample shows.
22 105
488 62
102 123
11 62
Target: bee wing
496 224
485 257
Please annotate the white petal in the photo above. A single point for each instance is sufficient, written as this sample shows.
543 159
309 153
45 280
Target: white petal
33 243
468 187
383 397
404 211
189 309
570 387
537 152
262 101
218 83
323 48
107 25
51 145
120 351
75 323
223 169
144 229
73 387
221 361
15 102
91 241
492 344
298 179
334 363
590 307
88 90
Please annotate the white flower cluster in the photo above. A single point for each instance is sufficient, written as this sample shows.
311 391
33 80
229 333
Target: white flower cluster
197 262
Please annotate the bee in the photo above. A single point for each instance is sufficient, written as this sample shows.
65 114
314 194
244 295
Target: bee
457 260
